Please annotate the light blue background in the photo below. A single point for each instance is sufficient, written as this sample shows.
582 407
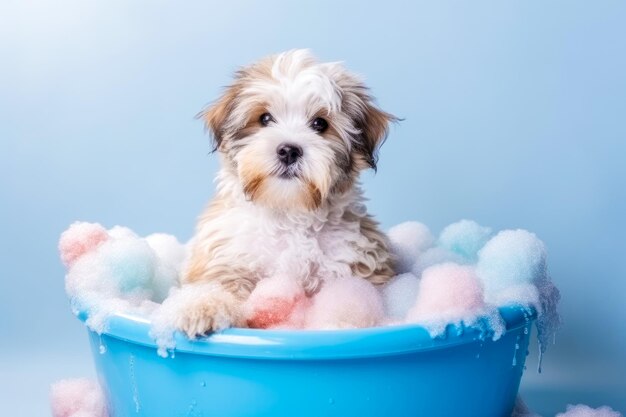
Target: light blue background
515 116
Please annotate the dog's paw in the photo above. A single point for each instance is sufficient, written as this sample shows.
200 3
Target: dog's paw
206 316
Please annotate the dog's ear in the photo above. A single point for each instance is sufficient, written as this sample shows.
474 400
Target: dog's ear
371 122
216 115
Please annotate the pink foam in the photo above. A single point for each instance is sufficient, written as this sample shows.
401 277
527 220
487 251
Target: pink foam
276 303
347 302
77 398
448 291
80 238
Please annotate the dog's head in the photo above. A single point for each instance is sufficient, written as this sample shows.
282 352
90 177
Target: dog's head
296 131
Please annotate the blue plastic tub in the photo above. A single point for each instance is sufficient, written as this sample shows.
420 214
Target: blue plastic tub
386 371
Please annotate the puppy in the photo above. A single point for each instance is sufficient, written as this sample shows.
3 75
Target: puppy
293 136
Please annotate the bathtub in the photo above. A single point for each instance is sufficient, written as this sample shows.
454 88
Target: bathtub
392 371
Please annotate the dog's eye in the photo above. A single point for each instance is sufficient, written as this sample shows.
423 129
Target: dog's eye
266 119
319 125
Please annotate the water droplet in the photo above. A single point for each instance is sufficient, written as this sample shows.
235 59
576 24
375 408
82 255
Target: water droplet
331 401
131 369
515 354
102 348
203 384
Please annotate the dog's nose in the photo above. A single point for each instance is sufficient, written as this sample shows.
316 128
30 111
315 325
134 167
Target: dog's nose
288 153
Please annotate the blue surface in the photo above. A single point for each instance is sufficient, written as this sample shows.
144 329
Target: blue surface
514 117
398 371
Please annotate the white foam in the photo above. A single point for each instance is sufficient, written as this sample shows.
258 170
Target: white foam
512 257
407 241
452 280
399 295
581 410
465 238
117 271
434 256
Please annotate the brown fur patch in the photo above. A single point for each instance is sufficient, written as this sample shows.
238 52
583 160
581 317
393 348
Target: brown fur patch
205 266
367 117
215 116
251 187
379 252
374 126
343 160
348 173
260 70
253 124
315 196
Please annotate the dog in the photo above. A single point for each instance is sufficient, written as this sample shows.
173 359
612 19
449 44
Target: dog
293 136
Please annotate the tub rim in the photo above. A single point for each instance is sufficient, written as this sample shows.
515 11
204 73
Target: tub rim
313 344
